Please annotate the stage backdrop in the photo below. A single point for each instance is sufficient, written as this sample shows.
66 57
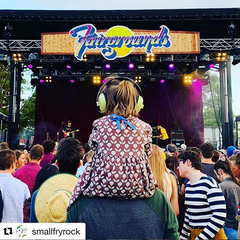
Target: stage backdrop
170 105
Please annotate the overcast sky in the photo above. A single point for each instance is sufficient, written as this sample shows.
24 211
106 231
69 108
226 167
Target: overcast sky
133 4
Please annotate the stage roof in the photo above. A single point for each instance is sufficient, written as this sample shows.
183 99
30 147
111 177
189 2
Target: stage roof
211 23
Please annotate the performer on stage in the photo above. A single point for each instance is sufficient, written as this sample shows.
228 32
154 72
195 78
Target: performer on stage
163 136
68 131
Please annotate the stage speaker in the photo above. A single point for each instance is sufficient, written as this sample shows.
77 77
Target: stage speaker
178 143
177 134
155 134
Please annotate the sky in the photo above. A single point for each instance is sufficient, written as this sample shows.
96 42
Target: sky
133 4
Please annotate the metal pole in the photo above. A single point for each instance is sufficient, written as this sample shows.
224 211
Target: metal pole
229 94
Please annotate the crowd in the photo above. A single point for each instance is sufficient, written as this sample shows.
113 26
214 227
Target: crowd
119 183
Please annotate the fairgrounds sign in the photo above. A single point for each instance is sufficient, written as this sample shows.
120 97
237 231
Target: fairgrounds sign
119 42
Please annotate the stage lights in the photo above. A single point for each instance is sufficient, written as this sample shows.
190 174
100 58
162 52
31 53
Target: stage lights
150 57
187 79
162 81
48 79
96 79
138 79
72 81
17 57
171 66
84 57
130 65
221 56
107 66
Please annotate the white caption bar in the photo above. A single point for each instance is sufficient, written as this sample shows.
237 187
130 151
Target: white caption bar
42 231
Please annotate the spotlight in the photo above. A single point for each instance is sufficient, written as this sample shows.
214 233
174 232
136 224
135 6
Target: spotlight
17 57
96 79
30 66
104 80
130 65
171 66
72 81
162 81
221 56
138 79
204 57
84 57
41 81
187 79
48 79
107 66
194 80
150 57
68 66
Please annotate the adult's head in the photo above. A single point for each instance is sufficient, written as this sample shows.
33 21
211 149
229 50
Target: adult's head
235 160
223 169
7 160
46 172
36 152
188 161
230 151
69 153
21 159
69 123
206 150
172 149
4 145
215 156
172 164
121 96
48 145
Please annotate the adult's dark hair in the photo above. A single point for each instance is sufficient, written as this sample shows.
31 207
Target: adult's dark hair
36 152
7 158
226 166
172 164
215 156
193 157
4 145
207 150
195 149
45 173
48 145
171 148
69 153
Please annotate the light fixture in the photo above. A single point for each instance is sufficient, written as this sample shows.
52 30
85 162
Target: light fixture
96 79
187 79
221 56
48 79
204 57
107 66
171 66
130 65
84 57
138 79
150 57
162 81
72 81
17 57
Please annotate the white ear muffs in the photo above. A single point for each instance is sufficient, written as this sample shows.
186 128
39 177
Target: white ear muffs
101 99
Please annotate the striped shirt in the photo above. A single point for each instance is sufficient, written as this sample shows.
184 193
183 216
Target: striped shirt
205 208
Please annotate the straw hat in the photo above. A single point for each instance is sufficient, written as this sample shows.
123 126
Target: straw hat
53 198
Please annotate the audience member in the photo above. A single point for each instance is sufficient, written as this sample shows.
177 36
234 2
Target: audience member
45 173
230 151
48 146
21 159
28 172
4 145
206 153
14 192
171 150
183 147
215 156
166 181
54 194
122 144
204 201
231 190
235 160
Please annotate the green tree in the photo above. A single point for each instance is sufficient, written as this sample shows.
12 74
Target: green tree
4 88
211 102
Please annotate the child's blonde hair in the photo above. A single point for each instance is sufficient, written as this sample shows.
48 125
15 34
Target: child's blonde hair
121 98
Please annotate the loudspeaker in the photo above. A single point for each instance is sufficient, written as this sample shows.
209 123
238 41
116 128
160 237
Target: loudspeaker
177 134
101 100
178 143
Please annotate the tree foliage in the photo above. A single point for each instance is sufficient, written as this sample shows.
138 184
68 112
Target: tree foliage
4 88
211 102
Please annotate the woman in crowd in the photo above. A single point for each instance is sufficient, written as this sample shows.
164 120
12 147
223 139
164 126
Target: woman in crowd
166 181
231 190
21 159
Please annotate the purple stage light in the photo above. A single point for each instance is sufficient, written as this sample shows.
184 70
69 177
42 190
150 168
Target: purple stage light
131 65
211 65
171 65
108 66
30 66
72 81
194 80
41 81
104 80
162 81
69 66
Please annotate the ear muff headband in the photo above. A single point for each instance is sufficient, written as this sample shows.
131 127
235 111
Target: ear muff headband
101 99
